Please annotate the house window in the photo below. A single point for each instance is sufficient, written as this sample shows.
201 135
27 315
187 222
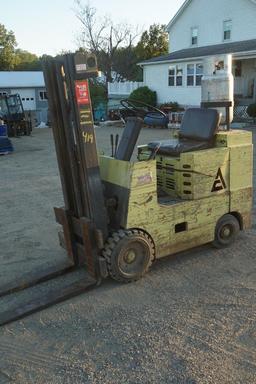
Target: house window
227 26
171 76
199 73
175 76
194 36
194 74
43 96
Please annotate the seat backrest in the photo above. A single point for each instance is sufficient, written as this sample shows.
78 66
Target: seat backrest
129 138
199 124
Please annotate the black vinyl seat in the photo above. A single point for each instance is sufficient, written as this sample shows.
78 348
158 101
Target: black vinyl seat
198 128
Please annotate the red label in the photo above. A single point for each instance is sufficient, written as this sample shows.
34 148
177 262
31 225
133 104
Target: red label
82 92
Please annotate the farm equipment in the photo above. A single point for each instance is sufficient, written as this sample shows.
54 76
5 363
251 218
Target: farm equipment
122 215
12 112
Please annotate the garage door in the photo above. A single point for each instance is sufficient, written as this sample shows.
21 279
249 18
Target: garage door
28 98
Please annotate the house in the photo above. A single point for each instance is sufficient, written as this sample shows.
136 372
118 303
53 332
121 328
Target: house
203 28
31 88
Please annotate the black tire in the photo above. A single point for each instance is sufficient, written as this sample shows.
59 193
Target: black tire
226 231
129 254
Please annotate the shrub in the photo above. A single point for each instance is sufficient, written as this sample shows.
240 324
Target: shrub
145 95
173 105
251 110
98 93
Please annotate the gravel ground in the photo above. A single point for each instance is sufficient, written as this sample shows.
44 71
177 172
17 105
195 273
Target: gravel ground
190 320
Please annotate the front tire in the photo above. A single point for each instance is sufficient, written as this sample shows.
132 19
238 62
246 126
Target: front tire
226 231
129 254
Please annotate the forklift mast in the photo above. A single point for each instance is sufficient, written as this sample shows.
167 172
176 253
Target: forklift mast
84 218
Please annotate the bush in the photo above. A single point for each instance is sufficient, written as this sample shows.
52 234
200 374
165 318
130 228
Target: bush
98 93
251 110
145 95
173 105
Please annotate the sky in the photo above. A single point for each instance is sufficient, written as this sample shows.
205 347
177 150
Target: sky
50 26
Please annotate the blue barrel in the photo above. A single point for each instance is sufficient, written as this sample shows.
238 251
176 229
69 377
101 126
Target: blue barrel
155 118
3 130
5 145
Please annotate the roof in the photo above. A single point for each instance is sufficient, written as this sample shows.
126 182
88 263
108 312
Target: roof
245 46
21 79
177 15
182 9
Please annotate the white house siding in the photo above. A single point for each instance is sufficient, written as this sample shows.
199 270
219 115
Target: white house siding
241 12
156 78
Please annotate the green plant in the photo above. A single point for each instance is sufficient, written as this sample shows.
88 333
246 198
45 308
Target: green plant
251 110
145 95
173 105
98 93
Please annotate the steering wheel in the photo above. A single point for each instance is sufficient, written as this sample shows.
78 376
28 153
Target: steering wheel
142 109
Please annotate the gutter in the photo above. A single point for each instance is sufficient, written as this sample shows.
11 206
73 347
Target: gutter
237 55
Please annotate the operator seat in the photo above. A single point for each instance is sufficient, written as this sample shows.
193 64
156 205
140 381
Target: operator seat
198 128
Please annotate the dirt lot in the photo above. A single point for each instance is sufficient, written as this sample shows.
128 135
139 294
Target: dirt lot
190 320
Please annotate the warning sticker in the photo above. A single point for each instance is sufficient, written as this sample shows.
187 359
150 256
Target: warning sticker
82 92
219 182
144 179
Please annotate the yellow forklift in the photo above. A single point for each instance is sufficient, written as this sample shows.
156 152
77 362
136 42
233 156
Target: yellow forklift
121 215
181 193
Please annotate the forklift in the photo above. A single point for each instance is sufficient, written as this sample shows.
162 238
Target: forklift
121 215
12 113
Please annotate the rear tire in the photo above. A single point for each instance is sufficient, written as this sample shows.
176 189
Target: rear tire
129 254
226 231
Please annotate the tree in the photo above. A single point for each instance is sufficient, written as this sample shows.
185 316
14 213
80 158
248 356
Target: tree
153 42
26 61
7 50
102 37
125 64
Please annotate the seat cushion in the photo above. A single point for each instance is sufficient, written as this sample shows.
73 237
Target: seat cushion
199 124
175 147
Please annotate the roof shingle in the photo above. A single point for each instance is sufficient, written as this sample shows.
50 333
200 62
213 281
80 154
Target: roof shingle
210 50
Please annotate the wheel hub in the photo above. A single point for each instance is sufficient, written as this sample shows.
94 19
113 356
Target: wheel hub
225 232
130 256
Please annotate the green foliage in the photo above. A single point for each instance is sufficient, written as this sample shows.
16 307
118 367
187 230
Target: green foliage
7 50
145 95
98 93
251 110
173 105
26 61
152 43
124 65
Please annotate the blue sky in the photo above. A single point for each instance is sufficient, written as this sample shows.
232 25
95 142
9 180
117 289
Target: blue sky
49 26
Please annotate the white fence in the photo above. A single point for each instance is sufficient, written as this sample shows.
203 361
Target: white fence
124 88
